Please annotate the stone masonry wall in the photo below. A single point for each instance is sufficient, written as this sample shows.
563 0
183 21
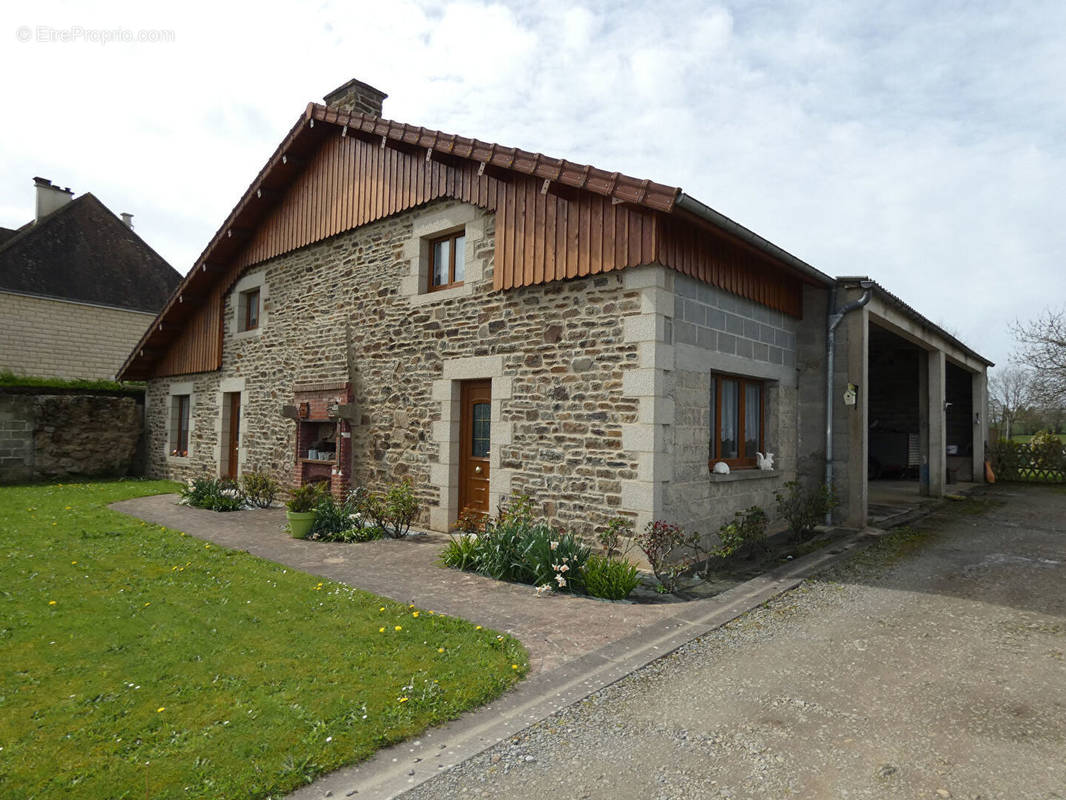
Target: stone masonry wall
59 339
45 436
338 311
716 332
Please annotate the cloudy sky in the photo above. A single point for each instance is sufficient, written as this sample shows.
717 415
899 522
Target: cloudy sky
919 143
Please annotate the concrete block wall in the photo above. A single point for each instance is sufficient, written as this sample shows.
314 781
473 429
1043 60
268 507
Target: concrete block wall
51 338
713 319
715 332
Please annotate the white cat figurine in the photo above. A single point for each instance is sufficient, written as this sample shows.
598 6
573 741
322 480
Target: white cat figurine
721 468
765 462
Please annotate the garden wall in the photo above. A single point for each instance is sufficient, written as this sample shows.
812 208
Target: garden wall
54 433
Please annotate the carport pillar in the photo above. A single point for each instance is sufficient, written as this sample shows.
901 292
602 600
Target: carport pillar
980 424
853 490
936 459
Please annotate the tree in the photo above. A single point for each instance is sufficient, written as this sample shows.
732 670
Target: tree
1010 393
1043 350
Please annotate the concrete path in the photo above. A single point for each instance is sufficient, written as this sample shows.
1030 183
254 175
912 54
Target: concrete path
935 669
577 645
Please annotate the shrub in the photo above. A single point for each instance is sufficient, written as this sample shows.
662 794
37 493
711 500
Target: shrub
470 522
304 498
460 552
659 540
214 494
259 489
331 518
743 535
610 578
618 530
550 557
803 508
401 507
499 552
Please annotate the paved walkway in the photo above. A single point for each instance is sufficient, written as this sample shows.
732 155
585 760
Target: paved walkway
555 629
577 645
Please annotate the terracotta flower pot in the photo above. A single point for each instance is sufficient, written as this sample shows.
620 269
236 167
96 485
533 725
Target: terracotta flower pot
300 523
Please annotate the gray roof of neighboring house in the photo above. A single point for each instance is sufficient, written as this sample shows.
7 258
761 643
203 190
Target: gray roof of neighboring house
84 252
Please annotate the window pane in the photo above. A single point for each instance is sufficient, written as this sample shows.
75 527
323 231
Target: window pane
730 419
479 446
752 409
460 256
181 444
252 317
441 255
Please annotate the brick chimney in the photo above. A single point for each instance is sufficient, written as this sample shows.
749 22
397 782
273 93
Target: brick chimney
49 198
356 97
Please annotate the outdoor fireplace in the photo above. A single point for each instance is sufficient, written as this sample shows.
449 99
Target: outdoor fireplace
322 413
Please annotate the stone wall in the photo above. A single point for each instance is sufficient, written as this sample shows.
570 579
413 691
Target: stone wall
352 309
54 435
51 338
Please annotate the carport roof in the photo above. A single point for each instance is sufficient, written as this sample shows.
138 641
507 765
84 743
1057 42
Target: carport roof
893 300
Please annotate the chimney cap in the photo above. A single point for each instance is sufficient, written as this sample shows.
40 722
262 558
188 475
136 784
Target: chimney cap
356 96
45 183
127 218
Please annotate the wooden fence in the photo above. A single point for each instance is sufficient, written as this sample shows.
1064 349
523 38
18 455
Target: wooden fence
1029 462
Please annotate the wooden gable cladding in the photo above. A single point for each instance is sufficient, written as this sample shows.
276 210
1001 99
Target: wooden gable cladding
351 182
713 258
542 236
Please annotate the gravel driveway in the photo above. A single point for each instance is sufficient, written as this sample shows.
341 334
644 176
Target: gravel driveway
931 666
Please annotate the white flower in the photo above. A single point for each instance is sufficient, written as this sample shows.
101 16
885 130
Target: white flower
543 590
564 568
554 545
559 579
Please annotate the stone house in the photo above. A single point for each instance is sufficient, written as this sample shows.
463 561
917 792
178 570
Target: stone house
78 288
390 302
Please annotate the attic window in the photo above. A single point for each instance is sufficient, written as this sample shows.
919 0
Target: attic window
248 313
447 261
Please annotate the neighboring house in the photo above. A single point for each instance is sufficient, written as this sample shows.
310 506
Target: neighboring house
391 302
78 288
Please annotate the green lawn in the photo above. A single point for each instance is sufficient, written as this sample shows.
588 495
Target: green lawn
138 662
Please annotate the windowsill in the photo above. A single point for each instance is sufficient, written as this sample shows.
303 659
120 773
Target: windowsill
745 475
439 295
177 459
251 333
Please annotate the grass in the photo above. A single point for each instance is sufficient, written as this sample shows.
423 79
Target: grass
136 661
8 378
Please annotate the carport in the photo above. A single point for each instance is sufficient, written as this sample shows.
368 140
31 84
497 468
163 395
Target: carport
909 415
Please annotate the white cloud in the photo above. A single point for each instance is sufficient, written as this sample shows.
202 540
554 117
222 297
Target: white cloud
919 143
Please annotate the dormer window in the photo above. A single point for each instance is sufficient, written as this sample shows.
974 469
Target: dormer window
447 261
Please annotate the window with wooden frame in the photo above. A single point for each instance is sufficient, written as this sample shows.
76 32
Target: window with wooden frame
447 261
179 425
248 312
739 414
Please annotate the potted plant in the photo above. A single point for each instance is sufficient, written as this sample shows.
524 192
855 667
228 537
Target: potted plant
300 509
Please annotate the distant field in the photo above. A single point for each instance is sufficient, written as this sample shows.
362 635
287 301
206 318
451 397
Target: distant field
1025 437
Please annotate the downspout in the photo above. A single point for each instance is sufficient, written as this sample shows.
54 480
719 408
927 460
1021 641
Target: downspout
833 319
